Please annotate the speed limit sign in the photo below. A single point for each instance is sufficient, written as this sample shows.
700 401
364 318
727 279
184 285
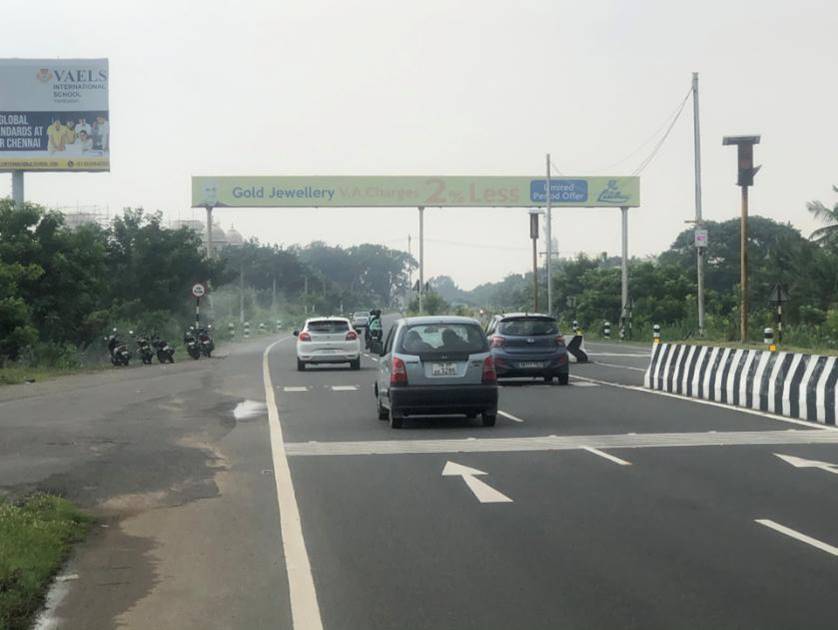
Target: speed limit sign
199 290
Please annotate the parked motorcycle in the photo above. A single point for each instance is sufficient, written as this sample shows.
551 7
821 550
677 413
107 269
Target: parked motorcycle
144 349
191 341
165 352
118 349
205 342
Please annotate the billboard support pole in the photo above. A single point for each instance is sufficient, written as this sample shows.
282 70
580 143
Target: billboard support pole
17 189
421 258
624 271
548 267
209 231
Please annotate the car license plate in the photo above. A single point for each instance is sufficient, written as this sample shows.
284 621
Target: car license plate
443 369
530 364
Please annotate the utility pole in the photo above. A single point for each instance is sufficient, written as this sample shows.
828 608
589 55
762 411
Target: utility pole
409 267
241 293
699 249
624 274
273 297
549 229
746 172
209 232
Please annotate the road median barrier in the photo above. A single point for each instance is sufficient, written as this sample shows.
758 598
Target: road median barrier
792 384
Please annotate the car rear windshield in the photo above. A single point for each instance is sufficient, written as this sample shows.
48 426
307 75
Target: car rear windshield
443 338
328 326
528 326
359 314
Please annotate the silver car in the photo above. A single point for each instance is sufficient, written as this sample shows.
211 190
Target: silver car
436 366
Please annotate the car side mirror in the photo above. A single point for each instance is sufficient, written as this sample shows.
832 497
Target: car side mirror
296 333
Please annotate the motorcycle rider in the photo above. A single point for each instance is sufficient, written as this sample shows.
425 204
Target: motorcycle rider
374 330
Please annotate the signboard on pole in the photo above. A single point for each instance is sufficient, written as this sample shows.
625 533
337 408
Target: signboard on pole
199 290
414 191
700 237
54 115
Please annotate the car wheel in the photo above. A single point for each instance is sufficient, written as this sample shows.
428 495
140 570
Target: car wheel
489 419
471 415
383 414
356 364
300 365
564 378
396 422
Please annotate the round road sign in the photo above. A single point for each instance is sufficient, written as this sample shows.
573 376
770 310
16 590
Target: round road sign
199 290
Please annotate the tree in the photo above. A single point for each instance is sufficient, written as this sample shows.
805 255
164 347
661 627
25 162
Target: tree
828 234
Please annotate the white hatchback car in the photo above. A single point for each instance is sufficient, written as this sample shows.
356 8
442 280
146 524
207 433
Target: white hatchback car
328 340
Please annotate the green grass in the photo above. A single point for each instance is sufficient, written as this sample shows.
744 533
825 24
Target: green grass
753 345
13 375
36 535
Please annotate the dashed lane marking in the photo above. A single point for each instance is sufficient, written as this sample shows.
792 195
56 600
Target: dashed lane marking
585 384
304 388
344 388
792 533
561 443
608 456
510 416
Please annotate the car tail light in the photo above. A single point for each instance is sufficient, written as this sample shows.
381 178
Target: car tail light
304 336
497 342
351 335
398 375
560 340
489 374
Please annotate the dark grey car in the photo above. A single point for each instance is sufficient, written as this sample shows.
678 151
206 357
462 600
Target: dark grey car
437 365
528 344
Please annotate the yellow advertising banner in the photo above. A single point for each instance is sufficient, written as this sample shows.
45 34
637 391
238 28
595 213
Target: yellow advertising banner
413 191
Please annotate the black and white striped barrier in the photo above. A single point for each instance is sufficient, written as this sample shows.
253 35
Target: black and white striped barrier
787 383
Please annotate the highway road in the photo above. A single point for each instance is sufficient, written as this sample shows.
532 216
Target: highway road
595 505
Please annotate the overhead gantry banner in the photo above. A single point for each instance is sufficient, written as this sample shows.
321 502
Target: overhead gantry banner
414 191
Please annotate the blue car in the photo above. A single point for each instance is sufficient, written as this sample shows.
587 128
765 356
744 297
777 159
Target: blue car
528 344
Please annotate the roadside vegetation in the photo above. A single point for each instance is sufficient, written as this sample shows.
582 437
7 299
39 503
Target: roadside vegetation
36 535
63 289
663 287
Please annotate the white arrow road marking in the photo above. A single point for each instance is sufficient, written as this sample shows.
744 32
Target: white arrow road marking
788 531
509 415
799 462
481 490
607 456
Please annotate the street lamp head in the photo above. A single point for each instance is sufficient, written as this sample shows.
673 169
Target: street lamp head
728 140
745 157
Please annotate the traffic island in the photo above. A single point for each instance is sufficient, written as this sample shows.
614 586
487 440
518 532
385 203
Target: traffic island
36 536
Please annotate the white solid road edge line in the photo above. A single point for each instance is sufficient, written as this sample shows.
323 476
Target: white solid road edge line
814 542
510 416
305 612
712 403
607 456
622 367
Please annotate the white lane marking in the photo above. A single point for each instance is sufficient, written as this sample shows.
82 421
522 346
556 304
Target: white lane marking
303 388
622 367
344 388
644 355
305 612
585 384
370 357
562 443
480 489
792 533
607 456
799 462
510 416
700 401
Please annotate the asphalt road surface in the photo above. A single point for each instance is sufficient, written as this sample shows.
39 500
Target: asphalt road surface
594 505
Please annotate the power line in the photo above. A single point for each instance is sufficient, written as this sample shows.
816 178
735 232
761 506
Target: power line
654 152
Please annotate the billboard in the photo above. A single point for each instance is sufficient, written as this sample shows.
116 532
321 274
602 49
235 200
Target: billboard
394 192
54 115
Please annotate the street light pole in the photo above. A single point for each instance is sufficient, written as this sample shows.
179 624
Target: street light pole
534 236
421 258
698 220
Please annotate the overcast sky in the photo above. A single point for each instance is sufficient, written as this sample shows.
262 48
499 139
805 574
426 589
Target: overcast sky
437 87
